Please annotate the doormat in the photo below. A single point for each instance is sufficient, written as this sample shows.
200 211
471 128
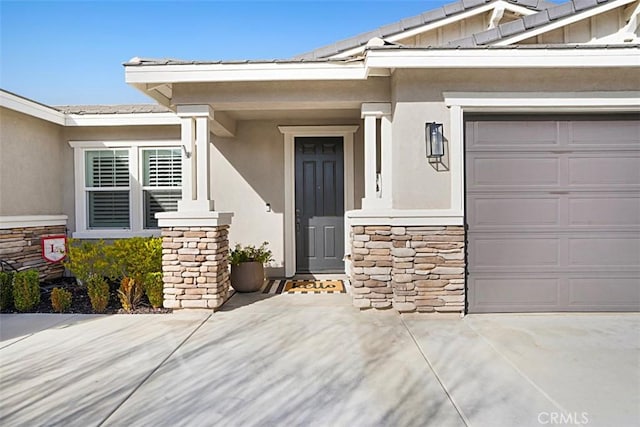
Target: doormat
304 287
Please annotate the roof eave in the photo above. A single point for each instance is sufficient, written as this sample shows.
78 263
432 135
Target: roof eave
579 56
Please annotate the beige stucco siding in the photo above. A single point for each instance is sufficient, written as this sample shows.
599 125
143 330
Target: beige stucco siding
247 173
417 99
278 95
31 165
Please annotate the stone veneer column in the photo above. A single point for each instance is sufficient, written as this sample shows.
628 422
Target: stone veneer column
195 266
408 268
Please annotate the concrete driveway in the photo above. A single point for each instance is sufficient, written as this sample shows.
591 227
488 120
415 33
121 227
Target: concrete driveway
314 360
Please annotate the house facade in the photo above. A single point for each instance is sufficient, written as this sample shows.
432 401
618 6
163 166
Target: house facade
480 157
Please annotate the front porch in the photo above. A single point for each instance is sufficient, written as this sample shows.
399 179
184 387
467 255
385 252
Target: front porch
244 181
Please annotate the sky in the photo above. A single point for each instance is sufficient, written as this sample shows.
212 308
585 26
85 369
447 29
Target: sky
71 52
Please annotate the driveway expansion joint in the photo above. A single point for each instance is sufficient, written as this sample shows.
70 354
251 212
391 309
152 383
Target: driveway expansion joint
153 371
444 388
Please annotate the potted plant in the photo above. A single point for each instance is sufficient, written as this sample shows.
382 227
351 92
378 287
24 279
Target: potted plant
247 266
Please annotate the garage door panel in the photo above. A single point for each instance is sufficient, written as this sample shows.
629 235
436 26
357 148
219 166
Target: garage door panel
597 132
514 171
509 134
553 225
514 293
605 251
604 210
611 292
516 211
515 252
605 170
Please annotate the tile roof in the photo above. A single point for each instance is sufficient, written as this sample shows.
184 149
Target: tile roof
512 47
413 22
174 61
112 109
526 23
388 46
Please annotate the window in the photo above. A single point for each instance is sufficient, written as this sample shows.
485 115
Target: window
107 186
161 184
120 186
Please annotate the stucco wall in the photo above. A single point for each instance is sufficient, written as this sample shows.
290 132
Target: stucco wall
248 173
265 95
31 165
417 98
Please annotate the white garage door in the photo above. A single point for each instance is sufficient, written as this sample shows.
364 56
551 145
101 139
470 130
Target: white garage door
553 213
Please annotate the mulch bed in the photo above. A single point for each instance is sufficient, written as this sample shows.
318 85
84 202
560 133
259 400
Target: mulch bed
80 303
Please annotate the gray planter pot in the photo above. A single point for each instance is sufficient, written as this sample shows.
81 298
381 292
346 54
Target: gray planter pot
247 276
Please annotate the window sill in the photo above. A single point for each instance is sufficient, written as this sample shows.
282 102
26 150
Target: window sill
114 234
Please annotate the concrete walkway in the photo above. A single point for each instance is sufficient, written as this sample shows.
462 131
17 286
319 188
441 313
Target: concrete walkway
314 360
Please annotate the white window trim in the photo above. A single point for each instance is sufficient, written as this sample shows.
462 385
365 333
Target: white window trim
460 103
290 134
136 214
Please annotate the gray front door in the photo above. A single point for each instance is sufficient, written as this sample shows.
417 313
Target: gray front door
319 205
553 210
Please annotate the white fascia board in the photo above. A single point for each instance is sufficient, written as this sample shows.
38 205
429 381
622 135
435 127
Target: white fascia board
439 24
243 72
504 58
23 221
564 22
132 119
125 144
25 106
321 130
620 101
114 234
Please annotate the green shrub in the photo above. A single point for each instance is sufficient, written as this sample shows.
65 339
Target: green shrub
137 256
154 288
250 253
98 290
6 290
88 258
130 293
26 290
60 299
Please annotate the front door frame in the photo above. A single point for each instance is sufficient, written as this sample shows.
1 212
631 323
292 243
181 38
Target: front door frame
290 134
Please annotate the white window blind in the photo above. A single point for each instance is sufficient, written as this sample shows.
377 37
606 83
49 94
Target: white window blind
162 180
108 188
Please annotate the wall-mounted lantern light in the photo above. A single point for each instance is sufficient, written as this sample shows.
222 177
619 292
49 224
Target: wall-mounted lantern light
434 141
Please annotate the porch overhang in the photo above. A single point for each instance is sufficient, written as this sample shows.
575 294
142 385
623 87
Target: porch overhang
166 80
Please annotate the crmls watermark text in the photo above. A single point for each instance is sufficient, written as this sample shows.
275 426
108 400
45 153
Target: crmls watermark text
563 418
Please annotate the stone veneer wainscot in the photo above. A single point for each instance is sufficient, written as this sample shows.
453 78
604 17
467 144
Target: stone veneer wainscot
195 266
21 247
408 268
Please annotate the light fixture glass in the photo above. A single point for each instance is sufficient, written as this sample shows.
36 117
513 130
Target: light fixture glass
434 140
